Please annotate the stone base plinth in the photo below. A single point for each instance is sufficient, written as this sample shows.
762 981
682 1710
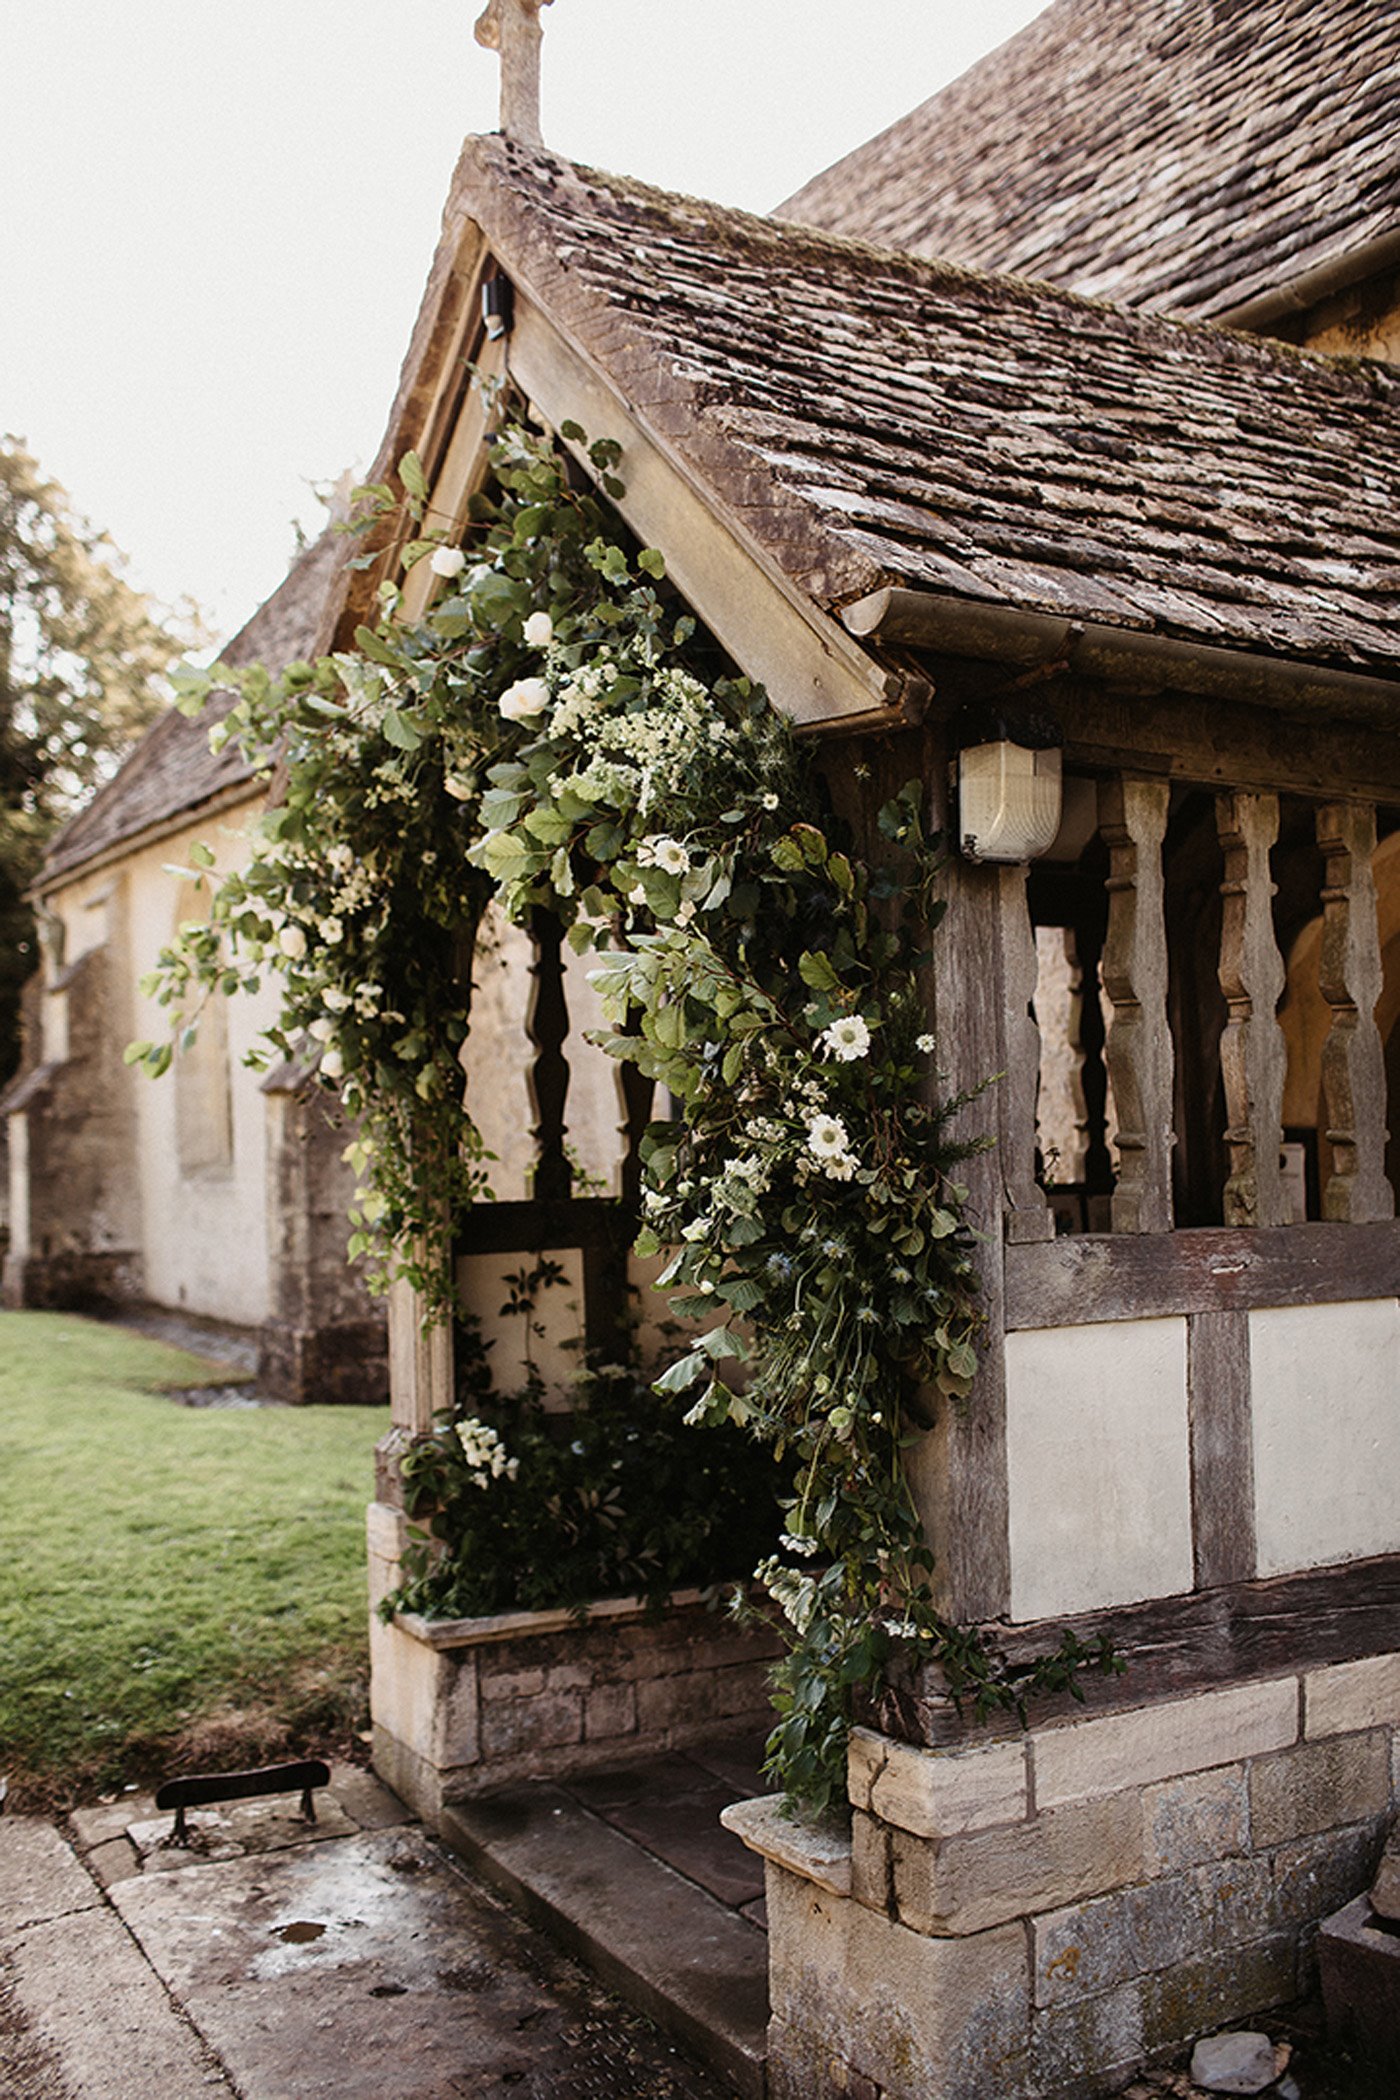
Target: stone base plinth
1035 1917
462 1705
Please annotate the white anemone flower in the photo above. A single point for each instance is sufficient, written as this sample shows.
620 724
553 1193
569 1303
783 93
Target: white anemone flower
292 941
846 1039
525 699
539 631
670 856
447 561
827 1138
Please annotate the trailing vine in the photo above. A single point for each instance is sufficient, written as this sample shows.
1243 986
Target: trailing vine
556 734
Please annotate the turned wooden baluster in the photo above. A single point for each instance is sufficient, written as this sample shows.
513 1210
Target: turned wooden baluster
1253 1054
1133 820
547 1027
1091 1076
1025 1210
1353 1059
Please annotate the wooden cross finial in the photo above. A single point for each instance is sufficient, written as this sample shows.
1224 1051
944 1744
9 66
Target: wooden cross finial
512 27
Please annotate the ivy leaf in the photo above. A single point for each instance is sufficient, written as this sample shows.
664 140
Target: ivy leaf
377 649
412 476
399 731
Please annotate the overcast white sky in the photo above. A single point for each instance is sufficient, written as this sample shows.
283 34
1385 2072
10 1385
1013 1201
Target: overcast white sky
216 216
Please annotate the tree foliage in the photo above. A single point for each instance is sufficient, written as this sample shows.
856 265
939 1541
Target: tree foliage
82 664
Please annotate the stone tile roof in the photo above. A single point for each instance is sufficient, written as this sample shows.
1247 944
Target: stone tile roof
1186 155
871 418
172 770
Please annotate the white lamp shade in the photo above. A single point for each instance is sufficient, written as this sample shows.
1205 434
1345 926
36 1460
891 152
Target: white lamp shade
1008 801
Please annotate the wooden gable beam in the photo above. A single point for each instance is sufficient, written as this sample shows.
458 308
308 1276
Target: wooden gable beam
811 668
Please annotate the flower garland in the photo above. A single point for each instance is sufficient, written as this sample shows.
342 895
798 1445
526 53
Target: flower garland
556 733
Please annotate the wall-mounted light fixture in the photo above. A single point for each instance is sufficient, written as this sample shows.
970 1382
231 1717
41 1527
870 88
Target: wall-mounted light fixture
1009 792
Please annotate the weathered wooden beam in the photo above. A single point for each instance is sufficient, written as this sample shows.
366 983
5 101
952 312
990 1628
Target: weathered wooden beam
959 1472
420 1361
1222 1448
1179 1644
811 667
1133 820
1198 742
1075 1281
1353 1057
1253 1054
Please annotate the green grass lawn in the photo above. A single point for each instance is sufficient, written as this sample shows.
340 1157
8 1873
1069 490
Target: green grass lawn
179 1582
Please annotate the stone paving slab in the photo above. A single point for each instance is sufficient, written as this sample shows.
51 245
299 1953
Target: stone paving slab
693 1963
99 2019
366 1970
39 1877
357 1963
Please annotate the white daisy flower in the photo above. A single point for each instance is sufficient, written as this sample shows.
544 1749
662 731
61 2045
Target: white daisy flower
846 1039
670 856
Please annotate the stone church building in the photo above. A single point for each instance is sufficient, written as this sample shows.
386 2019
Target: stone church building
1071 395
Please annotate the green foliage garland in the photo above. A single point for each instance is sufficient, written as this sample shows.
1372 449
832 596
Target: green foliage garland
555 733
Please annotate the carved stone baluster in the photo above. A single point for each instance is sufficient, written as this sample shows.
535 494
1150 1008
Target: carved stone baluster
547 1027
1253 1054
1353 1059
1133 819
1027 1217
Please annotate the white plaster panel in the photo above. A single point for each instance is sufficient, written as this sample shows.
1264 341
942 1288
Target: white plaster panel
1098 1459
550 1343
1326 1412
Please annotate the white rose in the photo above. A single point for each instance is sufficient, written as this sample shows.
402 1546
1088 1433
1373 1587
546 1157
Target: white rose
447 561
525 699
332 1065
539 631
292 941
323 1029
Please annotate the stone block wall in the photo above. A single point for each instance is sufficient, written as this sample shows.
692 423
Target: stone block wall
459 1706
1034 1918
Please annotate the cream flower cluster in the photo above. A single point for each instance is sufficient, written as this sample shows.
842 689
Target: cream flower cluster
484 1452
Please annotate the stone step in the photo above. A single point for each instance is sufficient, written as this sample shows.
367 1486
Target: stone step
692 1964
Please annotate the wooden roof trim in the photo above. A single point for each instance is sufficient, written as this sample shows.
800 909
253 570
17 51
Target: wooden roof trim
812 669
447 336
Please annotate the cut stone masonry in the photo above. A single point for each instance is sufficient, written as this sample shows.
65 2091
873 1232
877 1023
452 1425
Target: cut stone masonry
1095 1893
